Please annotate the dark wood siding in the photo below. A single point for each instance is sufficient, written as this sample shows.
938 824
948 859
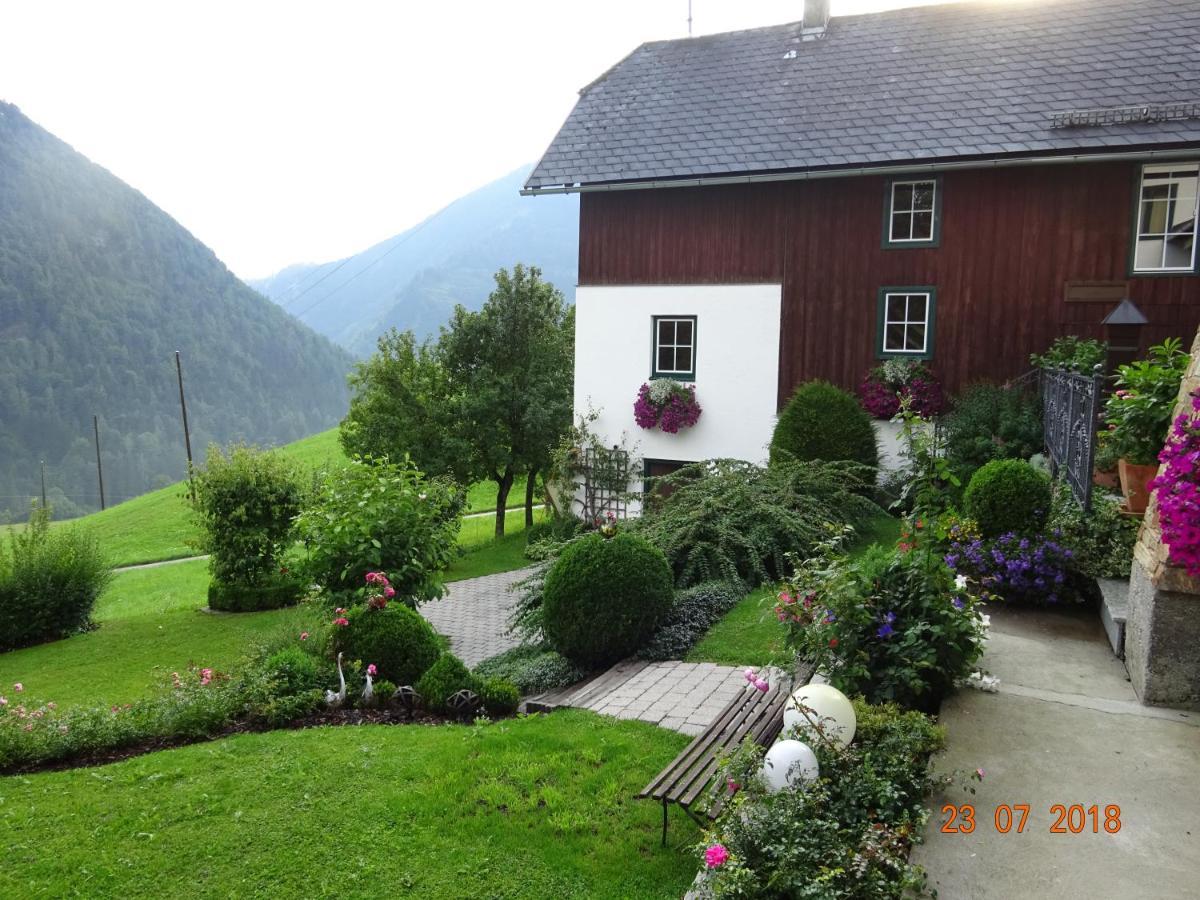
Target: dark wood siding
1011 239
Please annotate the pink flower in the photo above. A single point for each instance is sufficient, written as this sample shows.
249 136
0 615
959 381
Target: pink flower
206 675
3 701
341 620
18 687
762 684
304 635
733 786
750 674
339 611
715 856
371 670
389 592
116 709
979 773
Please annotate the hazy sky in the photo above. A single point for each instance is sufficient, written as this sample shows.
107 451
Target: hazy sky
302 132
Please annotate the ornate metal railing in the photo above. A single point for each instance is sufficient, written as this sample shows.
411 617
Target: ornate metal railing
1070 406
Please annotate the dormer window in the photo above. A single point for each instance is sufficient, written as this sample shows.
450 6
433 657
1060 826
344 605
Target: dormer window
911 213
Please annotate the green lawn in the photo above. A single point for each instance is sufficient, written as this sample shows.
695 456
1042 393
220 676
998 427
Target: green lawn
535 807
749 634
157 525
153 621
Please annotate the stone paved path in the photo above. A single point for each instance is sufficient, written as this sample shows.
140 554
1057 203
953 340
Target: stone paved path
474 615
681 696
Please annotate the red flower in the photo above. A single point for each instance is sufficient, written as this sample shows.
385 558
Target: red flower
833 642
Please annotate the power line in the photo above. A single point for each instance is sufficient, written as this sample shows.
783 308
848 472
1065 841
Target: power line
412 232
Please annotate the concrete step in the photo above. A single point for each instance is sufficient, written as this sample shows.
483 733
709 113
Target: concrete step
1114 610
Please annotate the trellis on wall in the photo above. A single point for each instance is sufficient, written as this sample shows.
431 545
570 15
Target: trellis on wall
605 474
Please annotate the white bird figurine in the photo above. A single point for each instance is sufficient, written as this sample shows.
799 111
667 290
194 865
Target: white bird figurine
332 700
368 694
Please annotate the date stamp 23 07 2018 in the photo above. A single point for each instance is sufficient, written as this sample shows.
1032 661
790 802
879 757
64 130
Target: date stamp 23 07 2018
1013 818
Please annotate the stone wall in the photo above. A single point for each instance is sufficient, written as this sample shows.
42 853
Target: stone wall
1162 642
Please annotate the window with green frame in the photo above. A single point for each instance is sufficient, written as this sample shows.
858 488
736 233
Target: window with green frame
912 213
673 347
905 325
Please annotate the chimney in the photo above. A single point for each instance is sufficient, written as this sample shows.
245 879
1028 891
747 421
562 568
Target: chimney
816 18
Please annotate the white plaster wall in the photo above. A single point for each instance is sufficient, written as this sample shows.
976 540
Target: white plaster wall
737 365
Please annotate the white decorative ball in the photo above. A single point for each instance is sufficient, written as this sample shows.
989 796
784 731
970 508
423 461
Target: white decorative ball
789 763
825 705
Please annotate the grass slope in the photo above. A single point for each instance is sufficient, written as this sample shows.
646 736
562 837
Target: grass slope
535 807
749 634
157 525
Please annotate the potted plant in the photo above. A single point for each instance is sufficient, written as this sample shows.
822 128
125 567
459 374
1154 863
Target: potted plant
1104 468
1139 414
666 404
888 384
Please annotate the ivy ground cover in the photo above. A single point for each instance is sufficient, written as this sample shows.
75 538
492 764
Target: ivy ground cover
532 807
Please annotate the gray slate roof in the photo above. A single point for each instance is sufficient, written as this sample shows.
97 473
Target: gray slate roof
976 79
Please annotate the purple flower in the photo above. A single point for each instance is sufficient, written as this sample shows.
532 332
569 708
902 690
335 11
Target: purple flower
958 603
885 631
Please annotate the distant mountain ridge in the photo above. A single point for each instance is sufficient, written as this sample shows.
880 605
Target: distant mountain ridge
414 279
98 288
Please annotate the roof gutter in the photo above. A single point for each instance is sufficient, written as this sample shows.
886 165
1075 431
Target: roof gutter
1004 162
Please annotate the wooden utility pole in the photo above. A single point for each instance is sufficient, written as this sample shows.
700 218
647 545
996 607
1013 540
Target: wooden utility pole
187 437
43 484
99 467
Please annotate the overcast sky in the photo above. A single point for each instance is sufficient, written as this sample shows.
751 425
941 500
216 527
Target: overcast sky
303 132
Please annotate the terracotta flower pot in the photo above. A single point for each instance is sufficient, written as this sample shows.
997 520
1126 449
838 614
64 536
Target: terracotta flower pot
1106 478
1133 485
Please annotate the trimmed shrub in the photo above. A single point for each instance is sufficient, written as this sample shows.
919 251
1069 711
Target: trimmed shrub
992 422
400 643
282 591
379 516
604 597
824 422
694 611
500 697
532 668
246 501
1008 495
49 582
443 679
727 520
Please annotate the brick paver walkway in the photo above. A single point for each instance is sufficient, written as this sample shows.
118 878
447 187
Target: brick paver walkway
474 615
681 696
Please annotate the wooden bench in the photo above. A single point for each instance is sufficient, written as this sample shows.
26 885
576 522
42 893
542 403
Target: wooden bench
754 714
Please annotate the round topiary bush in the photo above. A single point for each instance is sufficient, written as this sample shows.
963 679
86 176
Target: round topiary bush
824 422
603 598
1008 495
446 677
400 643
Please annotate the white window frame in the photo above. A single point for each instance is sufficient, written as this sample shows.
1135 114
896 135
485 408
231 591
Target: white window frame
912 211
656 321
1138 234
906 322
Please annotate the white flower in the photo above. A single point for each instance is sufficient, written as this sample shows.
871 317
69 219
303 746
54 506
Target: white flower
960 582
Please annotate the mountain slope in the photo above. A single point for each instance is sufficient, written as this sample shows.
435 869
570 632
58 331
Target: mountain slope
413 280
98 288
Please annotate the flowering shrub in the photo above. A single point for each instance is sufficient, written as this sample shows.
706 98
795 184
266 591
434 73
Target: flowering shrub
887 385
1015 568
378 515
1178 491
397 639
846 835
666 404
1139 412
891 625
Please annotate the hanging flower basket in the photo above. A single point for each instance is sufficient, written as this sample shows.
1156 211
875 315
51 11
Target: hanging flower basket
665 403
